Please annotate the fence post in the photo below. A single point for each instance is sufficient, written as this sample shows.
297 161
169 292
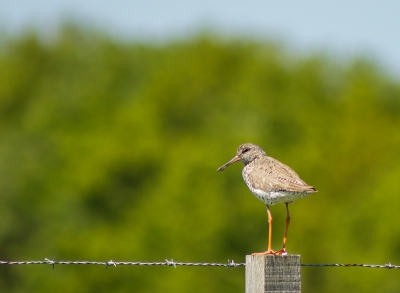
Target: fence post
273 273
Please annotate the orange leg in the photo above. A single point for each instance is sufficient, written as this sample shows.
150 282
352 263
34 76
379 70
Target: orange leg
269 251
283 250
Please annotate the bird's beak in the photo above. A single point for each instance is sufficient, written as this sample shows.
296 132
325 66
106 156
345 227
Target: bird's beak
234 160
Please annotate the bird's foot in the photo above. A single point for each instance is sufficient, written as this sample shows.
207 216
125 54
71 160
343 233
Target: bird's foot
271 252
281 252
264 253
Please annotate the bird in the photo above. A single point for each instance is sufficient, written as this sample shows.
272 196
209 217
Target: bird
271 182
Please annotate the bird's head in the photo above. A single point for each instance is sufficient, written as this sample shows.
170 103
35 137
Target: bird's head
245 153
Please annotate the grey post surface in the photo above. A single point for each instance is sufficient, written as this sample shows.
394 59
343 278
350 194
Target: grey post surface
273 273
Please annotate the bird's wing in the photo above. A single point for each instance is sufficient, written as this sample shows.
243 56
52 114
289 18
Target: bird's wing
276 176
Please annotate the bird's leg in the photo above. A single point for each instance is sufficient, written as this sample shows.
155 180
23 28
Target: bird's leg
283 250
269 251
269 231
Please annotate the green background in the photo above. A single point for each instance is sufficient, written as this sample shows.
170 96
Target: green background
109 150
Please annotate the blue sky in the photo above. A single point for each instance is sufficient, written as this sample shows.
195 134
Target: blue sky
343 28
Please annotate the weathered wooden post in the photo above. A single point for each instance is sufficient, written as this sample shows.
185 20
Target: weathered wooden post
273 273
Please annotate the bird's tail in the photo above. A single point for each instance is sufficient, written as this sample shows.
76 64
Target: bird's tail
310 189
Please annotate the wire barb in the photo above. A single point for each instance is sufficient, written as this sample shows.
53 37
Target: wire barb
389 266
170 263
51 261
231 263
110 263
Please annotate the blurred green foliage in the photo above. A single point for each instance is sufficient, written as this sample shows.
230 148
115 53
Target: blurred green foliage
109 150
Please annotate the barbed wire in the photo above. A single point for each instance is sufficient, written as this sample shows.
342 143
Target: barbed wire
229 264
52 262
385 266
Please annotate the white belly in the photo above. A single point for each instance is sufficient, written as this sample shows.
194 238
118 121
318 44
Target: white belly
274 197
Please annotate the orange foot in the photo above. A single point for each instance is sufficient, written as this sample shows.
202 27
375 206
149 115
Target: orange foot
264 253
279 252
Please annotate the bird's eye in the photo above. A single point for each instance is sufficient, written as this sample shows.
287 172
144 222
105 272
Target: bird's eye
245 150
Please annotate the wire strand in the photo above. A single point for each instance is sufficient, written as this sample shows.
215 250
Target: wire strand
229 264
